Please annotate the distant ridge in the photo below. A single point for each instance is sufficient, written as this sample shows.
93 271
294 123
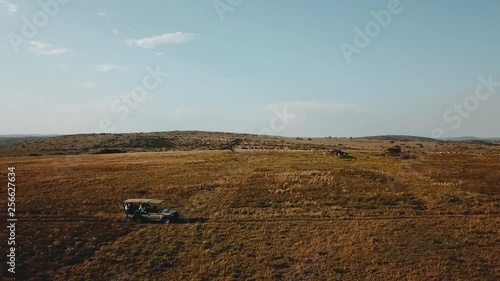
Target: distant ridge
399 138
469 138
22 137
417 138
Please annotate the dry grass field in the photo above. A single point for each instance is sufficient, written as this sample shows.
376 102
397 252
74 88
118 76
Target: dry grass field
256 208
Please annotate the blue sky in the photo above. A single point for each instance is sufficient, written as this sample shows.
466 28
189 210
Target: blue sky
273 67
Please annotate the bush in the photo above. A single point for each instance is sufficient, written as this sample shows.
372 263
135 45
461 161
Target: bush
110 151
394 151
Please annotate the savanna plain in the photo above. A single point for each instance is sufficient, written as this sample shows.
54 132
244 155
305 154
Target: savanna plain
255 208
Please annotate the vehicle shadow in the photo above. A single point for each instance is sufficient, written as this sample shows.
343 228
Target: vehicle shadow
191 220
179 221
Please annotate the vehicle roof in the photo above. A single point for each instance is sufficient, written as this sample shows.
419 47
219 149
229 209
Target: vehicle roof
143 200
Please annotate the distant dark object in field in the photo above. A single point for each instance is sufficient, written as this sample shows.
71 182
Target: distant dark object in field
437 241
35 155
231 144
341 154
110 151
394 151
309 139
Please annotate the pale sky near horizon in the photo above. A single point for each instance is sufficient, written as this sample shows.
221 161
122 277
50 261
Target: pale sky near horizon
244 65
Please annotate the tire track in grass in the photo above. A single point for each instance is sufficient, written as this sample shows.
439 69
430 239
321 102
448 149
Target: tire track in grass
305 220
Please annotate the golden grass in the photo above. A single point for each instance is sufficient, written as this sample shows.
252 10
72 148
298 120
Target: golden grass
416 249
282 215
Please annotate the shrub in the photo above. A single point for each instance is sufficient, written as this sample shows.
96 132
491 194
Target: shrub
110 151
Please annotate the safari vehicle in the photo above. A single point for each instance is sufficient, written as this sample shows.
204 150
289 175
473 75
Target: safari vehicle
146 210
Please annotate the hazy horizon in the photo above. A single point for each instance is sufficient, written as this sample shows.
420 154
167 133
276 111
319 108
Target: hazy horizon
224 132
294 68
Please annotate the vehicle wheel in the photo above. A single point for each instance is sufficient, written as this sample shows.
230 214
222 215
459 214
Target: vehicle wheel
165 220
138 219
